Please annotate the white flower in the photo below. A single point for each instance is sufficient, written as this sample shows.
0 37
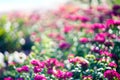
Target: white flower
2 63
19 57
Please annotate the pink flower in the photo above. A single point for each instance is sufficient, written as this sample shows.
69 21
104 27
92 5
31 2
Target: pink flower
110 74
64 45
35 62
39 77
8 78
100 38
105 53
83 40
87 77
97 26
23 69
51 62
62 75
109 22
37 69
68 28
49 71
112 64
19 70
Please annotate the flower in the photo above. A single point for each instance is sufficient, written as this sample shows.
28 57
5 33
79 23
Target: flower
79 60
105 53
2 63
68 28
87 77
37 69
62 75
39 77
109 22
19 70
111 74
49 71
23 69
20 78
83 40
116 10
97 26
100 38
19 57
35 62
112 64
64 45
8 78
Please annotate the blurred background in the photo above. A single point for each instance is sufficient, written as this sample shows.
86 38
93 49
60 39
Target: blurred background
85 30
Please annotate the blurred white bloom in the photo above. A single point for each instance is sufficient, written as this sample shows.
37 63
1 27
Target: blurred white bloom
22 41
19 57
10 58
2 64
7 26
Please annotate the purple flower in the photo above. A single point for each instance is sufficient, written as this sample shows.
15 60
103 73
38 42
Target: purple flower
37 69
109 44
64 45
110 74
50 71
39 77
20 79
116 10
83 40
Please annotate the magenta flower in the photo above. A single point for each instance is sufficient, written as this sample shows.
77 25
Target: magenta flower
39 77
20 78
51 62
68 28
68 74
112 64
97 26
100 38
49 71
8 78
64 45
62 75
84 18
35 62
105 53
83 40
37 69
23 69
19 70
110 74
109 22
